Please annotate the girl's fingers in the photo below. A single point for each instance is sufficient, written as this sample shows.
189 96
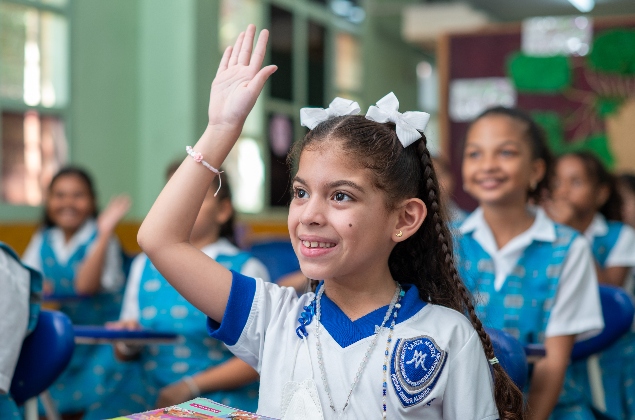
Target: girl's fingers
225 60
261 77
233 59
258 56
248 42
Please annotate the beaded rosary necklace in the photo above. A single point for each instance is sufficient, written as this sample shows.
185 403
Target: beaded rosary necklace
315 309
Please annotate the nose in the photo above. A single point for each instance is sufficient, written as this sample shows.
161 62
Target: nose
489 162
313 213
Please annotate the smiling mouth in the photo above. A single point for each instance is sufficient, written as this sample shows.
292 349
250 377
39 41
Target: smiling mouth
318 244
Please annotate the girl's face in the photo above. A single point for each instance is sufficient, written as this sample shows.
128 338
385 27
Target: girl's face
498 167
69 203
573 185
338 221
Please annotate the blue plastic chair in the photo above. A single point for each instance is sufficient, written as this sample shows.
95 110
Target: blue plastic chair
511 355
278 256
618 312
45 354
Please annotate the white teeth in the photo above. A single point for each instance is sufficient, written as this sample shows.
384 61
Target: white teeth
317 244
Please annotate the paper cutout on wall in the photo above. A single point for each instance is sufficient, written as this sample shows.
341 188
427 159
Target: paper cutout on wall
470 97
547 36
555 73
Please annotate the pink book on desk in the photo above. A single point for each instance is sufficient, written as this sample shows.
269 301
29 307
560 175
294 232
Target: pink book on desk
198 408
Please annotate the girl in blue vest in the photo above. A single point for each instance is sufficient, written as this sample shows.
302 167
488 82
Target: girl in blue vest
81 261
531 277
585 197
19 309
196 365
389 331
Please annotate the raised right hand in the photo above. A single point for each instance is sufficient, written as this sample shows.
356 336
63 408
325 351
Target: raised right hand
239 81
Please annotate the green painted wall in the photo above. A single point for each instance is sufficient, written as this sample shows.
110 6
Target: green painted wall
140 77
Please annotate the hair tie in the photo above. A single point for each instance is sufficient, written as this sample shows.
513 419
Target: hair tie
493 361
198 157
311 117
408 125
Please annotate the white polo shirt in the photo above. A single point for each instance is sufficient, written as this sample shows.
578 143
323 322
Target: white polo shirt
577 308
433 348
623 252
15 283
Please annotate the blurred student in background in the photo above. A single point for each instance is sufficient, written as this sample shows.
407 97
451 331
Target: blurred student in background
81 261
585 197
530 276
197 365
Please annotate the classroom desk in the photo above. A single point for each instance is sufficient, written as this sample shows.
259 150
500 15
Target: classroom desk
534 352
92 334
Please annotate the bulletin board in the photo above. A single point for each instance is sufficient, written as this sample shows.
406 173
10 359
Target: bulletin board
583 102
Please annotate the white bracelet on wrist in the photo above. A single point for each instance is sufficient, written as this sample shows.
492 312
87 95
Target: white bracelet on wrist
194 389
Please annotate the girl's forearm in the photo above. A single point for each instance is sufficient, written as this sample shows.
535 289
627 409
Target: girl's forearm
548 377
88 278
232 374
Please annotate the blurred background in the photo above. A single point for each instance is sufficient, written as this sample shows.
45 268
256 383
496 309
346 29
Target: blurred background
121 86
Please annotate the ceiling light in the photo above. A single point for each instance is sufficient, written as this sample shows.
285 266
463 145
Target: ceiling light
583 6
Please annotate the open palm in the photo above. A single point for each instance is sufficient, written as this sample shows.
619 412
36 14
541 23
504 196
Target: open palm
239 80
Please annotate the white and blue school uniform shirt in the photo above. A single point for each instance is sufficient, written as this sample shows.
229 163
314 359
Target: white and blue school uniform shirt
437 366
541 284
21 289
613 245
155 304
82 383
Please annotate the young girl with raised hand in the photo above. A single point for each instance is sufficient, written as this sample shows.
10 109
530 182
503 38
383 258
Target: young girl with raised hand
585 197
173 373
531 277
81 261
384 334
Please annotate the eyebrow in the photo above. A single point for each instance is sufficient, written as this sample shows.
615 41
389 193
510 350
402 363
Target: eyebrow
334 184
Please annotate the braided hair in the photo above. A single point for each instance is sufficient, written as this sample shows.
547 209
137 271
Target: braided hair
426 259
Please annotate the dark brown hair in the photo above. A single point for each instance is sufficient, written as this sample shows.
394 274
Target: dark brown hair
426 258
601 177
226 229
536 139
82 175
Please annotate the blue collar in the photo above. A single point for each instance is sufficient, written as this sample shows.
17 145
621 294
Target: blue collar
346 332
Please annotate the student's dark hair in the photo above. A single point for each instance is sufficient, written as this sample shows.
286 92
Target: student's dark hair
425 259
536 139
225 193
627 180
83 176
597 172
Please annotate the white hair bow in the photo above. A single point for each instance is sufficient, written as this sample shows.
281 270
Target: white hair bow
409 124
310 117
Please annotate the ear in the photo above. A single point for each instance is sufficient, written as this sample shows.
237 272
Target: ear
410 216
225 211
603 193
538 170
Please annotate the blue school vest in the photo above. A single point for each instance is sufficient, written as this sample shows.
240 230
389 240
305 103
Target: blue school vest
523 305
162 308
8 408
91 310
602 245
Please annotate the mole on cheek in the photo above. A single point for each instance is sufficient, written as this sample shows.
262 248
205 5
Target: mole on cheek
349 225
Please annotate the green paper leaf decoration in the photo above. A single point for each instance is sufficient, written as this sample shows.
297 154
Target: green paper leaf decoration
614 52
608 106
599 146
551 123
548 75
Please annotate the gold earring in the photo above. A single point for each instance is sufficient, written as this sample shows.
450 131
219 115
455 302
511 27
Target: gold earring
399 235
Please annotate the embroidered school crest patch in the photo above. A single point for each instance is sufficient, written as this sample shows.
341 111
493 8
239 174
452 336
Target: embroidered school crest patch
415 367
